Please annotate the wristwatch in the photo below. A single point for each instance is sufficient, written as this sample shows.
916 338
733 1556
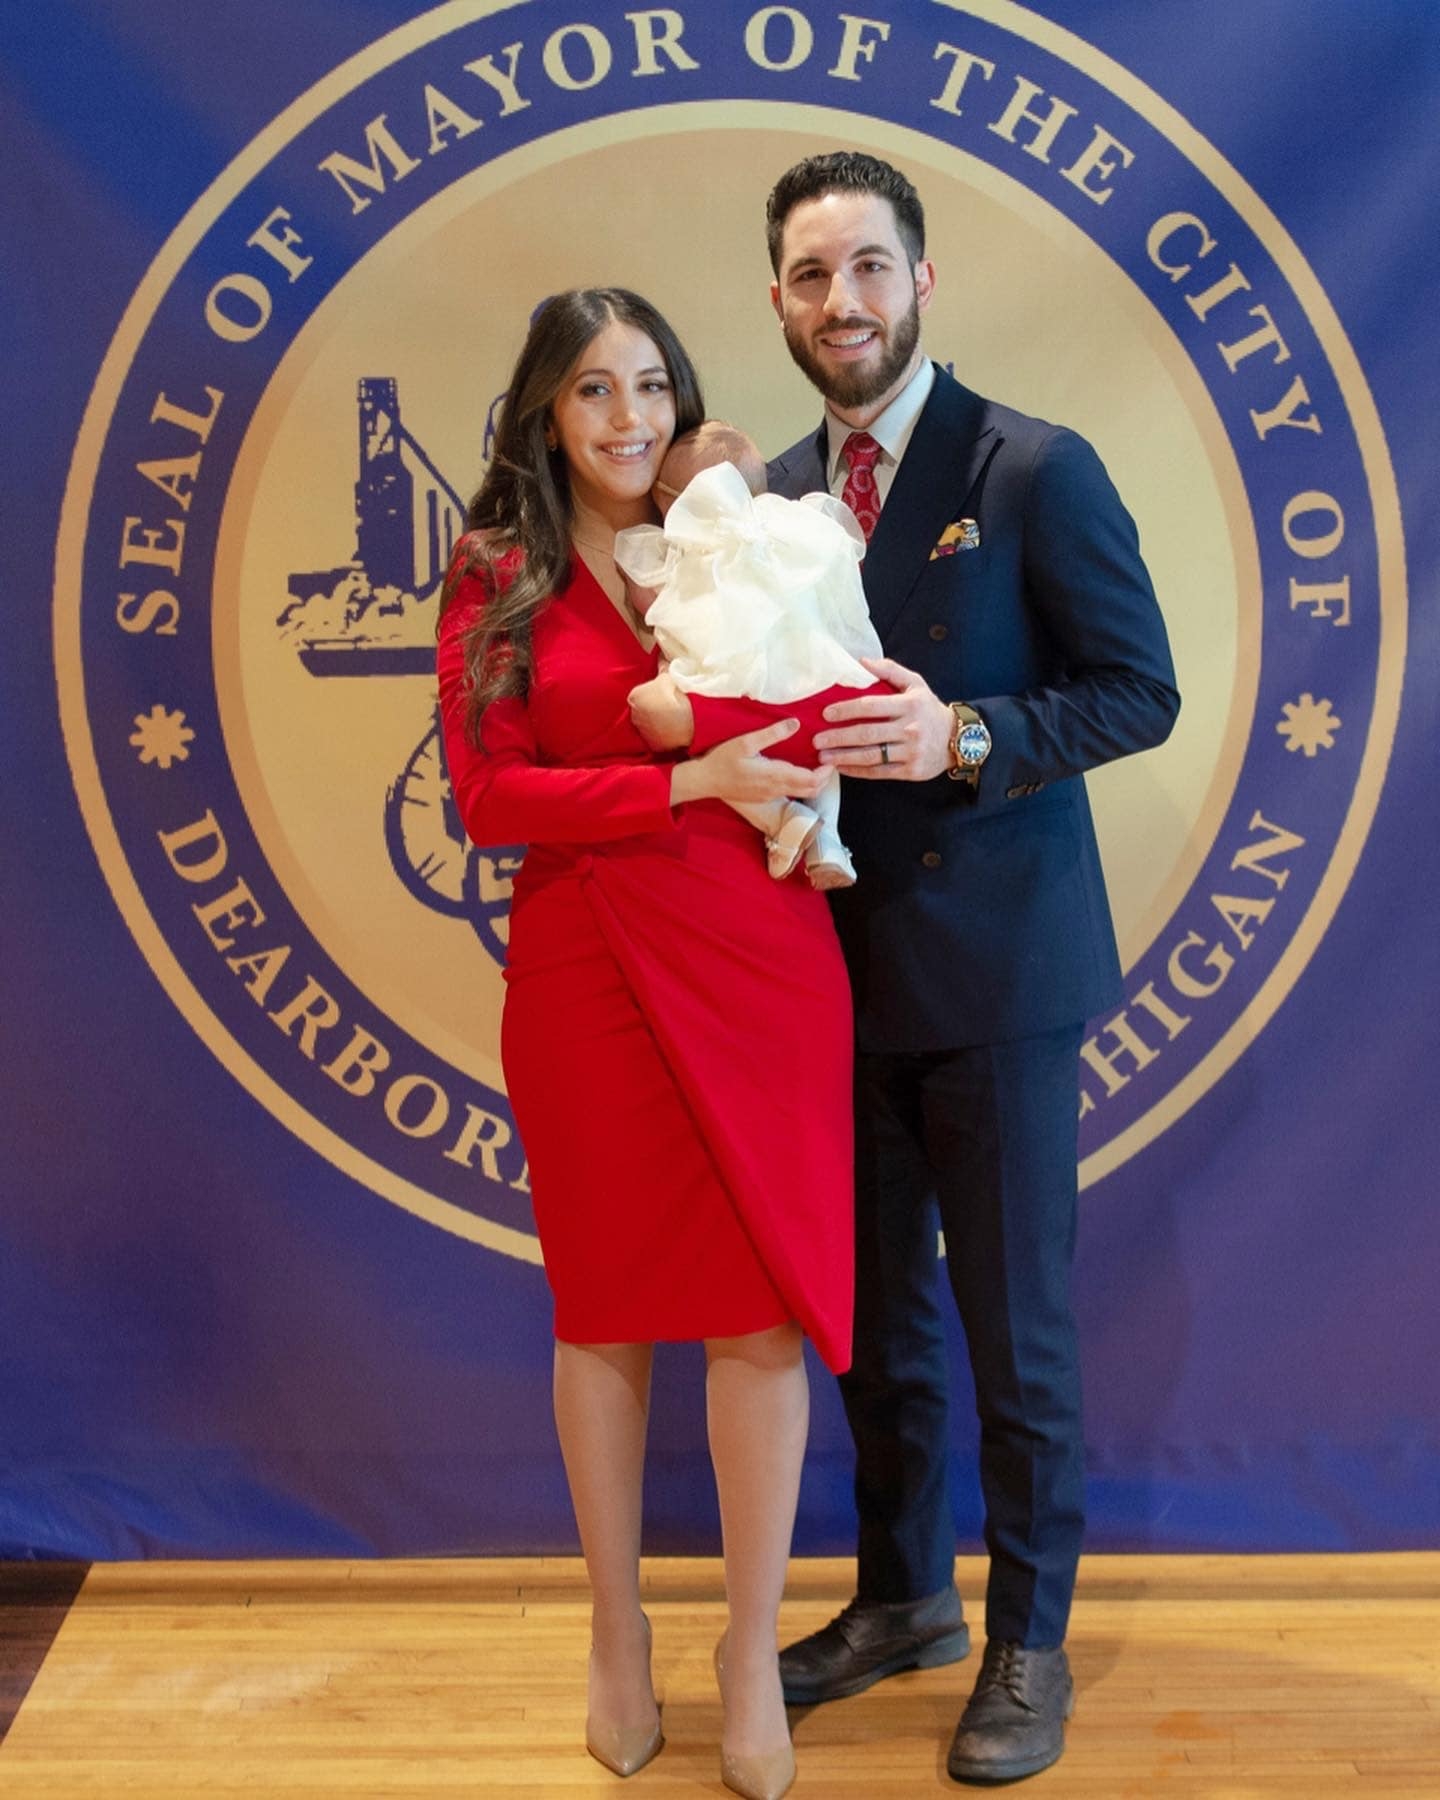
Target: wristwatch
970 744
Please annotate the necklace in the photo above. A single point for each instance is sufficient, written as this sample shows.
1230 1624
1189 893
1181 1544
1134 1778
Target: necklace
614 587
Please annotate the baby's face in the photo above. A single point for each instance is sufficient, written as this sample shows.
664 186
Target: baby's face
676 473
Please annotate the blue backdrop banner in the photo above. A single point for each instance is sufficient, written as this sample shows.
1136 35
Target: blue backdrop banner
267 1263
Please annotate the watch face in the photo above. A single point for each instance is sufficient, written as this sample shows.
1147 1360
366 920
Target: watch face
973 745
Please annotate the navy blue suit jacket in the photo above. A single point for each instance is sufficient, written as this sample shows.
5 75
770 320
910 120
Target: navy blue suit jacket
981 919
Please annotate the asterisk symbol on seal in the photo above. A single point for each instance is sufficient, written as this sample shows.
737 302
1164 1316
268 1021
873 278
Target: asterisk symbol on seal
1309 725
161 737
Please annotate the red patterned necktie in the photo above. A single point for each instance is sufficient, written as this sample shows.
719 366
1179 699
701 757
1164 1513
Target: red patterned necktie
861 495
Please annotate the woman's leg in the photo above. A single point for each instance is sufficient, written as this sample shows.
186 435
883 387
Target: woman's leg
602 1402
758 1401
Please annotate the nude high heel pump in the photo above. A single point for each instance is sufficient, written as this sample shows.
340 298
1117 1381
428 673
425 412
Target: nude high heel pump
764 1777
624 1749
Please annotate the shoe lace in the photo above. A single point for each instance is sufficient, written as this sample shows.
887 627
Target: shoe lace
1005 1668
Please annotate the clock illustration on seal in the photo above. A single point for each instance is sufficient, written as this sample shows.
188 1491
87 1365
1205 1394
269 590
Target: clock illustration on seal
434 859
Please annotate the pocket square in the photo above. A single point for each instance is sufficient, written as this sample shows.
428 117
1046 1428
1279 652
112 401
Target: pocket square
962 534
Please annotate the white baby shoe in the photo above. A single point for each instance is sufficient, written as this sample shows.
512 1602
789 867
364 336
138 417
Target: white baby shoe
799 827
828 864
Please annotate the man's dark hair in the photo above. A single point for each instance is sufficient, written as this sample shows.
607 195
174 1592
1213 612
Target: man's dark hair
845 172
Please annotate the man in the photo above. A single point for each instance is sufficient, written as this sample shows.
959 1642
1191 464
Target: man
1004 577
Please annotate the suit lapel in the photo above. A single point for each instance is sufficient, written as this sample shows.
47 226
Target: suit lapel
947 452
801 469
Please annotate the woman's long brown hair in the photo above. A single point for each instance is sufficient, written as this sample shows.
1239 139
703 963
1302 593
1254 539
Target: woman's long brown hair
524 501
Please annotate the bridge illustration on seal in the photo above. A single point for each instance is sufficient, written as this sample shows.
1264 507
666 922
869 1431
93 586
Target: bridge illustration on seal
375 616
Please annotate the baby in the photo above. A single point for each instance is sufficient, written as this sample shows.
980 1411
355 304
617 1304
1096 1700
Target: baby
753 597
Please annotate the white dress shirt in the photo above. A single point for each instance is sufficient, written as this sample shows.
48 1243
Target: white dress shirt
891 431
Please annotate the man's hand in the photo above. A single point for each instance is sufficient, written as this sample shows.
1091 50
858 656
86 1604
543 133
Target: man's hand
905 736
662 714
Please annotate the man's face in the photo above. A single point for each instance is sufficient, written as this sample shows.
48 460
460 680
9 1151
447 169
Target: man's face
850 300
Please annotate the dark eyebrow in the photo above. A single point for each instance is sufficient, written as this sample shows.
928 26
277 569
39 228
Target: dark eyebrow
812 262
609 374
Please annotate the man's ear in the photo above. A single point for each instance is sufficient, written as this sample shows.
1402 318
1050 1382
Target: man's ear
924 283
775 301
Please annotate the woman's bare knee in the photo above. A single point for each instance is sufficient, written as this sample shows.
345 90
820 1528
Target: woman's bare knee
776 1348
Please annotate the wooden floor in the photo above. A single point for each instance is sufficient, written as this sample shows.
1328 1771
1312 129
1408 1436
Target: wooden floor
1215 1676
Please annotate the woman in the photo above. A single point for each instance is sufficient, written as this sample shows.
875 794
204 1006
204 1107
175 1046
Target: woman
676 1035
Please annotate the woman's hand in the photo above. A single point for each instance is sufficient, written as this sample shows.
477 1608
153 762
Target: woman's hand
736 770
662 713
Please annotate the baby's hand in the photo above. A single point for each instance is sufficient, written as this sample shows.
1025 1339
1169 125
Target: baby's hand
662 714
640 598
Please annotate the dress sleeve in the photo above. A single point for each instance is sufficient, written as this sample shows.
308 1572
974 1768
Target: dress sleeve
504 792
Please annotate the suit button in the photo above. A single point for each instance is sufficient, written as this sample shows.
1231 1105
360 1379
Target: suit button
939 633
932 859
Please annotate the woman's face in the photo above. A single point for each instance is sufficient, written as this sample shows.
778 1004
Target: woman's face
613 419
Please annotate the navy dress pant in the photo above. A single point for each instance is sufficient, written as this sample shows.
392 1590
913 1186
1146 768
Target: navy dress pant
982 1141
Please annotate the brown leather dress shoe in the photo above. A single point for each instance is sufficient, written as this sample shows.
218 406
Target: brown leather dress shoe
1015 1723
871 1639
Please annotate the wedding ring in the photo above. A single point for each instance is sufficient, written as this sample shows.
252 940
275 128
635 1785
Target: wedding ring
884 753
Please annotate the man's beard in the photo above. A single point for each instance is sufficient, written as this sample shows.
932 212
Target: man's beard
847 386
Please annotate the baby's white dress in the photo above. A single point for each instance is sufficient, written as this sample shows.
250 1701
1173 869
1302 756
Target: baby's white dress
758 598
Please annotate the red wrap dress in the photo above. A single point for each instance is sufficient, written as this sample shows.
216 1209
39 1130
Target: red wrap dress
676 1036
